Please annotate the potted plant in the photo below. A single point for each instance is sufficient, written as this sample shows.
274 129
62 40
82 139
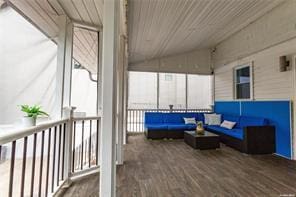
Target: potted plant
32 112
199 128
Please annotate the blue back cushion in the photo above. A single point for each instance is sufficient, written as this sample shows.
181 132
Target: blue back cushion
232 118
200 117
179 117
252 121
174 117
154 118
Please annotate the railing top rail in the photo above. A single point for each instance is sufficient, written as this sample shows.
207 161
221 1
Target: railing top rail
87 118
169 109
19 134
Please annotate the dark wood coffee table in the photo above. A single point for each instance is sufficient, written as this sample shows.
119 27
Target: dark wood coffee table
207 141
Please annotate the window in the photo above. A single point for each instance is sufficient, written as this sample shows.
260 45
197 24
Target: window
142 91
172 91
151 90
199 89
84 74
243 82
28 67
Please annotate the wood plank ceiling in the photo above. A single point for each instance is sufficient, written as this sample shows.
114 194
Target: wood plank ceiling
160 28
44 14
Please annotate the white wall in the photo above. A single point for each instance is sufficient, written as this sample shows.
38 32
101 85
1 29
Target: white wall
27 67
195 62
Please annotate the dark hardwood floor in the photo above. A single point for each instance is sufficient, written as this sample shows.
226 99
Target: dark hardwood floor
172 168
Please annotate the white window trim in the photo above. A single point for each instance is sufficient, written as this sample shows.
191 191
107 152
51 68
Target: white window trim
248 64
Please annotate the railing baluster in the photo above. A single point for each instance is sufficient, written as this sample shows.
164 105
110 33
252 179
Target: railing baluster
74 137
48 162
53 159
129 121
59 155
89 147
63 151
97 143
24 166
33 164
0 153
11 173
137 116
82 144
41 163
139 125
132 121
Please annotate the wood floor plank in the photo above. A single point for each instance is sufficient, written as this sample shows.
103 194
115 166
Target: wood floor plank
162 168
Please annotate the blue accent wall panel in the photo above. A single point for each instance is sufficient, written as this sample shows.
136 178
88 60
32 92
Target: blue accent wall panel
227 107
278 114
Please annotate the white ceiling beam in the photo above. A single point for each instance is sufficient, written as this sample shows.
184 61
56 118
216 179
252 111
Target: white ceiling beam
87 26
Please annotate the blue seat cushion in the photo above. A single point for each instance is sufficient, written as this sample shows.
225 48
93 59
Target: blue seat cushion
252 121
232 118
156 126
191 126
236 133
178 126
154 118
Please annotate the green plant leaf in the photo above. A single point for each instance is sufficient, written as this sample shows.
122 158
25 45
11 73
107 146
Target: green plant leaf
33 111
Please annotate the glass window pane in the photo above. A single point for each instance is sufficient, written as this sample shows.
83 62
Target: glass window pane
243 79
83 85
142 90
243 91
84 75
172 91
243 75
200 91
28 68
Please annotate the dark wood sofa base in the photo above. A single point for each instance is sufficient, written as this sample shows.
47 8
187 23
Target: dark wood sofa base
257 139
161 134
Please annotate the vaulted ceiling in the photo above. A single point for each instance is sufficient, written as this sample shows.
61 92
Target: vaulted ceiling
160 28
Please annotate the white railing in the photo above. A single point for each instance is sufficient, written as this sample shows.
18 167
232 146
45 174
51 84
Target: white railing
37 161
135 117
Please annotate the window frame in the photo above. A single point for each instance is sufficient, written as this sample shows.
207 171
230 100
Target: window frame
235 69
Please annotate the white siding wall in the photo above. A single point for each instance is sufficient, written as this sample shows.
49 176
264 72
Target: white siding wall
269 82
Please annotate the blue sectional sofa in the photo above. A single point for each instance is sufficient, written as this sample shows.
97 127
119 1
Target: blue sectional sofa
168 125
250 135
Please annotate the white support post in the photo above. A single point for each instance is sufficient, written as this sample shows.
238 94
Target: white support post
99 93
68 113
108 135
293 119
120 100
125 95
64 65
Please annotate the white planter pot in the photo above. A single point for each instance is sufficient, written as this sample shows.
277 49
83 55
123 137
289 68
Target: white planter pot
28 122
